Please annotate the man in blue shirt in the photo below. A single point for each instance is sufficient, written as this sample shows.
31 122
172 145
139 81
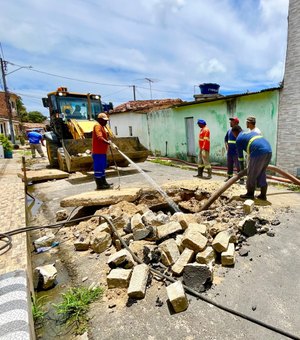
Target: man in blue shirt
35 138
232 154
260 154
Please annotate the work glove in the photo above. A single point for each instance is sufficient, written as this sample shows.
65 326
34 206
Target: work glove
111 144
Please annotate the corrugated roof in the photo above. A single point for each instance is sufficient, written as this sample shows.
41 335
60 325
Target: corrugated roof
27 126
141 106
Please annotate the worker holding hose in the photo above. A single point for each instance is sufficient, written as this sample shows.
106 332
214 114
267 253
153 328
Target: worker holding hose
260 154
204 148
100 144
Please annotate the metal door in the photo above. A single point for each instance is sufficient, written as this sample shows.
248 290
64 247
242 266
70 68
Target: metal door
190 136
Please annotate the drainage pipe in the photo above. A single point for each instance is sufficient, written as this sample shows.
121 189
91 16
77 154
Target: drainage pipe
241 174
289 178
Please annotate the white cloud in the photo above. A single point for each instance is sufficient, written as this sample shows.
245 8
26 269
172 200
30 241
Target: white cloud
240 45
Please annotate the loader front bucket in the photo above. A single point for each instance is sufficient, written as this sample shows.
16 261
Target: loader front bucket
77 153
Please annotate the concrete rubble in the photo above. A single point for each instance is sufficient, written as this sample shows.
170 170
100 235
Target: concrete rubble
43 175
187 245
44 277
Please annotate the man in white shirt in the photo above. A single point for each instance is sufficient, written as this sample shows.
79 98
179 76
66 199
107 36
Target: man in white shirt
250 123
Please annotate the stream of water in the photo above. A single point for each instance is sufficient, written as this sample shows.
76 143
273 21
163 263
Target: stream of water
171 203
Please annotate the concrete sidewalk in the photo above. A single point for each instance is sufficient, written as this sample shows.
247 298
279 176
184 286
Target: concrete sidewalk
15 272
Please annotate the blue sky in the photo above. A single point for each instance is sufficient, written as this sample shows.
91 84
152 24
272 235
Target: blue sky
107 46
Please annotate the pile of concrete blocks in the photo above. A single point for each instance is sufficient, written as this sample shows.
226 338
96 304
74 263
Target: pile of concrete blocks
186 246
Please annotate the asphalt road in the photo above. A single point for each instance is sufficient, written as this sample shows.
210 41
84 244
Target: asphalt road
264 285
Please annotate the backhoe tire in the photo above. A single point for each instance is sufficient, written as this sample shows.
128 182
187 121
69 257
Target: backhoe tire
52 154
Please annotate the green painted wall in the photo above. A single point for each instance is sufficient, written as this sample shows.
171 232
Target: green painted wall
169 125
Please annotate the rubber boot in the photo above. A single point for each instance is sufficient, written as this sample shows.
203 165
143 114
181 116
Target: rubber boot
209 170
200 173
101 184
263 193
109 184
248 195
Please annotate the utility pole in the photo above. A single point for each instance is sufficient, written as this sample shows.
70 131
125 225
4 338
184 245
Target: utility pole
8 106
134 96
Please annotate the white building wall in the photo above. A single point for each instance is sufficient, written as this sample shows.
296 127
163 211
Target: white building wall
130 122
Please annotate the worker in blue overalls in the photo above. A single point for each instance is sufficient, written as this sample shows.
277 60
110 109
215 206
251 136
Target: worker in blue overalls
260 153
232 154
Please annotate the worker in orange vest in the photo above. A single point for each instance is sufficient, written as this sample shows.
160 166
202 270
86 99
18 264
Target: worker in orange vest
204 148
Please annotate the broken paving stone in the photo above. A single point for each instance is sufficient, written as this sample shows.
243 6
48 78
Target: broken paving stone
206 256
197 276
102 227
138 281
228 256
180 217
138 228
101 198
221 241
193 239
177 297
119 278
168 229
121 258
101 242
248 206
198 227
148 217
216 228
44 277
82 243
183 260
170 250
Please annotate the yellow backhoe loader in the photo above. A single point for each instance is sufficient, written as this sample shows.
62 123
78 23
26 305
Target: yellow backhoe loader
69 139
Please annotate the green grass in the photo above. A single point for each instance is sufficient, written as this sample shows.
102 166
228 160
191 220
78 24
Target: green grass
162 162
294 187
37 308
23 152
75 306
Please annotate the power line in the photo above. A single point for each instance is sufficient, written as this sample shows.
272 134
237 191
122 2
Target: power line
30 68
27 95
110 94
145 88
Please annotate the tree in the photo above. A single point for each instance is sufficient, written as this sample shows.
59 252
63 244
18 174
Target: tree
36 117
21 109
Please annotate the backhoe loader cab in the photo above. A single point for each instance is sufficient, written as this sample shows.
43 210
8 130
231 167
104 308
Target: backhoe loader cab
72 119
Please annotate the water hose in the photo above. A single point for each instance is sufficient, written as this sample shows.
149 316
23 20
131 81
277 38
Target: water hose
115 163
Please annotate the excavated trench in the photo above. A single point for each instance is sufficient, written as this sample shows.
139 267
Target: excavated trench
89 266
